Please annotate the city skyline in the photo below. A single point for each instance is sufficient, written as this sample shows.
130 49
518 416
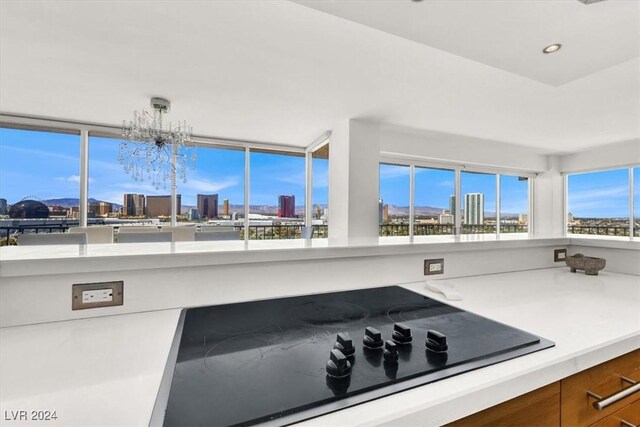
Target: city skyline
45 165
29 172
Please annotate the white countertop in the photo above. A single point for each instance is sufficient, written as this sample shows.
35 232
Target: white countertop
60 259
106 371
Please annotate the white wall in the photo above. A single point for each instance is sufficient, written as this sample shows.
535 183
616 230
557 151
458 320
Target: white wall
37 299
548 202
605 156
353 178
439 146
618 260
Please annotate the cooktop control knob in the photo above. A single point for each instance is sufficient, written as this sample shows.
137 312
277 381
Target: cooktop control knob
436 341
344 344
390 352
401 333
338 366
372 339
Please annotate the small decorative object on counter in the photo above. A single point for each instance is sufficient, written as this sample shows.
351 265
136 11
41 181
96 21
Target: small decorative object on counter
590 265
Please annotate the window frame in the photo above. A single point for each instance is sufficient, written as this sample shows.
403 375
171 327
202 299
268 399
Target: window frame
458 168
87 130
565 199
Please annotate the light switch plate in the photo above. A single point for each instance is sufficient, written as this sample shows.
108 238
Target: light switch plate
559 255
433 266
100 294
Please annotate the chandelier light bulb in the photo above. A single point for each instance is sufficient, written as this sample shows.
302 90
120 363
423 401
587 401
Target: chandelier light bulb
155 151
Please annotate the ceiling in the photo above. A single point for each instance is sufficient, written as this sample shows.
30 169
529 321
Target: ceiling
509 35
283 72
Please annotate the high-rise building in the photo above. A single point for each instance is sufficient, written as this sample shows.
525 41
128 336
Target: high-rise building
3 206
161 205
225 207
208 205
286 206
452 205
474 208
445 217
133 205
193 214
380 211
385 213
101 208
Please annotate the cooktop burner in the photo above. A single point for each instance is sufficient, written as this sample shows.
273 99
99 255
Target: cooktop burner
285 360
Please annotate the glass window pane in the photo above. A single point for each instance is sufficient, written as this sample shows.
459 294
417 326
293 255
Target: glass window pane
214 191
636 202
393 205
598 203
514 204
320 194
478 204
277 195
39 178
434 201
116 194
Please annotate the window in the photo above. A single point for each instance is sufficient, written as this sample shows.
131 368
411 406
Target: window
514 204
277 195
116 194
320 191
393 204
434 207
40 176
478 204
598 203
214 191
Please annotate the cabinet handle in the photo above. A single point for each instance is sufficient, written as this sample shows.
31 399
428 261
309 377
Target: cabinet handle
602 402
624 423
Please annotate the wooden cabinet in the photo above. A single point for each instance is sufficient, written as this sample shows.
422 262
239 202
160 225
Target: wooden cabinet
567 404
604 380
540 408
630 414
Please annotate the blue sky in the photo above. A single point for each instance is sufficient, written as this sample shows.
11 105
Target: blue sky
602 194
46 166
434 186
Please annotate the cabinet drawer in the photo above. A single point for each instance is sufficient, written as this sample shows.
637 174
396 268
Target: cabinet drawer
630 414
605 380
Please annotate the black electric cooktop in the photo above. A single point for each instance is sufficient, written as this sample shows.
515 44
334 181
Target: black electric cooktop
284 360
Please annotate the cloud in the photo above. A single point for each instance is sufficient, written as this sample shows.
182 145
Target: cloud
39 153
392 171
73 178
208 186
602 195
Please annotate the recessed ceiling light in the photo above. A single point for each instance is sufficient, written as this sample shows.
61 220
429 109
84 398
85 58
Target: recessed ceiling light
552 48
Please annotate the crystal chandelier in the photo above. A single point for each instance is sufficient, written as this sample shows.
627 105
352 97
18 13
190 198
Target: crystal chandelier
150 150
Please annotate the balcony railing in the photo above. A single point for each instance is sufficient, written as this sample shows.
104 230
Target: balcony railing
601 230
9 230
444 229
284 231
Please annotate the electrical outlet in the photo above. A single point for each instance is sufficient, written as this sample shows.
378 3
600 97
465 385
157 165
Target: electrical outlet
98 295
559 255
93 295
433 266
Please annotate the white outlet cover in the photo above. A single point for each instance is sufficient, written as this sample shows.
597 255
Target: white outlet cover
97 295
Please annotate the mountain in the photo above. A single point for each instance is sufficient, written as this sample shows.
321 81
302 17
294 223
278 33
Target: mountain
69 202
434 212
395 210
